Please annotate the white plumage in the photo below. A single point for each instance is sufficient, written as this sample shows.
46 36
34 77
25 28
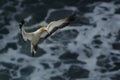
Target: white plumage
43 32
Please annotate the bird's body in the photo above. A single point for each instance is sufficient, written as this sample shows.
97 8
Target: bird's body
44 32
33 37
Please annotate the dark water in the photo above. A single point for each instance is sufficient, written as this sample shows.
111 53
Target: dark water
87 49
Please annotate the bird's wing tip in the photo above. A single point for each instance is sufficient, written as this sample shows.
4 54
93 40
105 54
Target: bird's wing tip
72 17
74 13
33 54
22 21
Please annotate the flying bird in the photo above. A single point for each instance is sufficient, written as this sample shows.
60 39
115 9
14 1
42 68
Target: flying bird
44 32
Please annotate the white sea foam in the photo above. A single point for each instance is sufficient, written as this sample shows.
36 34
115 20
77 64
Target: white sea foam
102 28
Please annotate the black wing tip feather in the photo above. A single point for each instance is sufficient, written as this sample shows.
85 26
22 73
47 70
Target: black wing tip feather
22 22
72 17
33 54
35 48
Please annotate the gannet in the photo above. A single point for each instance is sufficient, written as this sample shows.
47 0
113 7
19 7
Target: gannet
43 32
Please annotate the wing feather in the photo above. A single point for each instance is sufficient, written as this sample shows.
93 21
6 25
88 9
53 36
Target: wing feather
55 25
25 35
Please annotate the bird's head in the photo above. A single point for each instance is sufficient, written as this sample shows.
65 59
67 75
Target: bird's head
44 29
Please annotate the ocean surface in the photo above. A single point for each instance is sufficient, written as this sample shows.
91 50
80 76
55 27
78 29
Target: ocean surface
87 49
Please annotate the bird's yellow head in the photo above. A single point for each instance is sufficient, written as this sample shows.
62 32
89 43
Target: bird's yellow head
43 28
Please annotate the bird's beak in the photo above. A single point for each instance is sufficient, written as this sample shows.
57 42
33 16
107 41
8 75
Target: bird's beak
47 31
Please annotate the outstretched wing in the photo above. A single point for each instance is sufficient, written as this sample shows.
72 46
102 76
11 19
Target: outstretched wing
55 25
